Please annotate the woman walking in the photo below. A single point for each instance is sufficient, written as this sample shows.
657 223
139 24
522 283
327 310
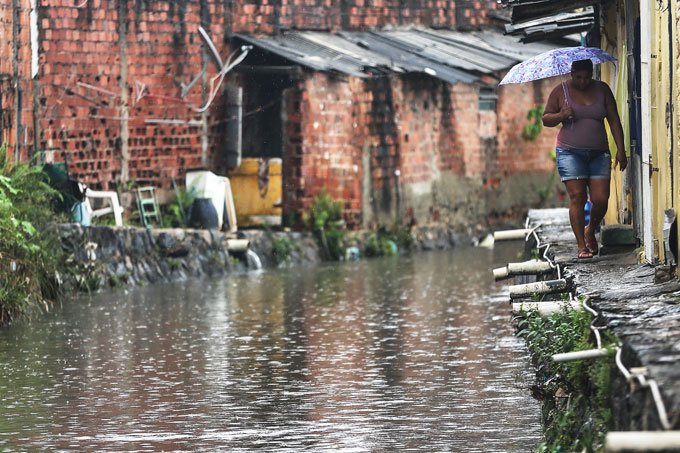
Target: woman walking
583 159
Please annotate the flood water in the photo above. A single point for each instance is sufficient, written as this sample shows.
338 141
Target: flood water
398 354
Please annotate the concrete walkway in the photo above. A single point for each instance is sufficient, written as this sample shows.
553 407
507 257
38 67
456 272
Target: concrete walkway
639 304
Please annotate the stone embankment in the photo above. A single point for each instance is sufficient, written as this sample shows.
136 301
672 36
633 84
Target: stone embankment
640 304
128 256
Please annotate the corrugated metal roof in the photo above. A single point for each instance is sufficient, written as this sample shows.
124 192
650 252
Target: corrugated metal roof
547 27
524 10
295 46
408 59
451 56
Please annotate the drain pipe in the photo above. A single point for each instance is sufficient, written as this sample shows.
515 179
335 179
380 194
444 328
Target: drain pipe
545 308
510 235
546 287
642 441
524 268
646 116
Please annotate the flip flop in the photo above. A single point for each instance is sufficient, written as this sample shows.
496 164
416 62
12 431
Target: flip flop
584 254
591 242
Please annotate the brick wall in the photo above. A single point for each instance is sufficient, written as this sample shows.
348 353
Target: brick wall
111 88
409 148
267 17
517 155
16 84
329 155
109 99
96 57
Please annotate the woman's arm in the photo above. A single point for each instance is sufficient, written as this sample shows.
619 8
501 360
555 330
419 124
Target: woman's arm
553 114
615 126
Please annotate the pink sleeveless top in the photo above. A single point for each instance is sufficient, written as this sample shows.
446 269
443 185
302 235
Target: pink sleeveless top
586 130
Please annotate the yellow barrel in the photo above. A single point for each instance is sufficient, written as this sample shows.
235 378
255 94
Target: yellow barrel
257 205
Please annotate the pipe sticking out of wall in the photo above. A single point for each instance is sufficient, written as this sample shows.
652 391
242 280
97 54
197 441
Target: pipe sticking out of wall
538 288
238 245
582 355
511 235
616 441
545 308
530 267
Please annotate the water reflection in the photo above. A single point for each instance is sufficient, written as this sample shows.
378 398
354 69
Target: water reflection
407 354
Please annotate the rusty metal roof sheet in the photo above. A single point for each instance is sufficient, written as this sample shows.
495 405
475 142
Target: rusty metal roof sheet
558 25
524 10
451 56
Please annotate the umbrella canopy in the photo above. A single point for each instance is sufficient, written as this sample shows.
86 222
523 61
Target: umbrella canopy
553 63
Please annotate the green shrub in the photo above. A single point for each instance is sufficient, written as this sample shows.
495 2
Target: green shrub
380 245
576 394
282 248
325 220
29 251
175 212
534 128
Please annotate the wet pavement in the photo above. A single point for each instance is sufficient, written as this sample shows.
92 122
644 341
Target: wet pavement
644 315
409 353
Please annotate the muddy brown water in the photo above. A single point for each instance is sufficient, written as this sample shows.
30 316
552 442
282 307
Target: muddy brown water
398 354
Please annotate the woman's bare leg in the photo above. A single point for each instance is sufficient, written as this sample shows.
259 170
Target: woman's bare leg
599 197
577 189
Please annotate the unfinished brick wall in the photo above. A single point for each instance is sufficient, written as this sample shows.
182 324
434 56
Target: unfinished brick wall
98 55
517 155
109 98
111 89
330 156
268 17
407 149
17 122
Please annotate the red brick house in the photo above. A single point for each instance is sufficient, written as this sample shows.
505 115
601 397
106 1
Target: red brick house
403 125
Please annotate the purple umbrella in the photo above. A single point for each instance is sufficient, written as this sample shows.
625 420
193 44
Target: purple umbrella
553 63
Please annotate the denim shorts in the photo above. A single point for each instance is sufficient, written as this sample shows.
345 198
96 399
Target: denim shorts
575 163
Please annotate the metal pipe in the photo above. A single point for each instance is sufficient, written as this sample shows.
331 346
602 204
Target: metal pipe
582 355
616 441
546 287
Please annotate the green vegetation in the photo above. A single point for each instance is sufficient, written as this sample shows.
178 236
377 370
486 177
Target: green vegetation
575 395
282 248
325 220
29 250
534 128
380 245
174 213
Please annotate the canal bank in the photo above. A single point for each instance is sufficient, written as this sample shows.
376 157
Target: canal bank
639 305
103 256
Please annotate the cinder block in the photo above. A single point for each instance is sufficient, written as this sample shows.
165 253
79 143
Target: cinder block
617 235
